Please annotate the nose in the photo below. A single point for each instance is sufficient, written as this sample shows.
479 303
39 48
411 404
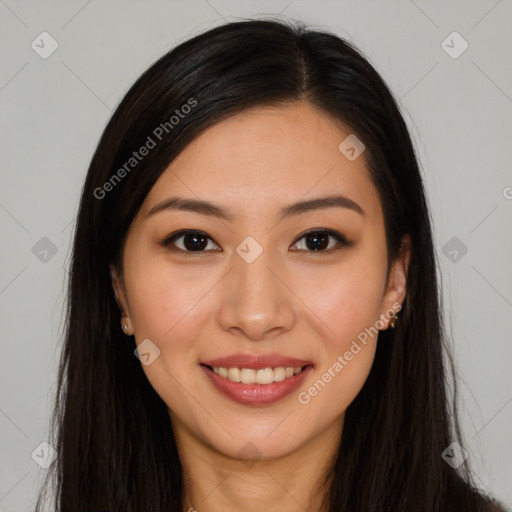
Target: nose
256 301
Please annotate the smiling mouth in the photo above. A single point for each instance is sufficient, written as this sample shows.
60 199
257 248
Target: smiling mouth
264 376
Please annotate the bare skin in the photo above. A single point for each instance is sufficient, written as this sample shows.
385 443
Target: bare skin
292 300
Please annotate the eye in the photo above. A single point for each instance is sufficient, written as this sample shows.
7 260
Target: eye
317 240
193 241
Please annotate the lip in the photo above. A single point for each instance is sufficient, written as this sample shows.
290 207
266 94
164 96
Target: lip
271 360
256 394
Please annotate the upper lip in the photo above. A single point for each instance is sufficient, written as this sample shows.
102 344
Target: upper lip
256 361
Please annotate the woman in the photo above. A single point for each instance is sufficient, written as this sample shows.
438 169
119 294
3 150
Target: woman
254 318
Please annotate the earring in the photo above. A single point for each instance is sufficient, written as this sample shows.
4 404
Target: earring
393 320
124 325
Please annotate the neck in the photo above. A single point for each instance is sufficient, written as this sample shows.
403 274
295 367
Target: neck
294 482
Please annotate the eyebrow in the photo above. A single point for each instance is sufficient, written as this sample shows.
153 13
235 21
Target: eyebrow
210 209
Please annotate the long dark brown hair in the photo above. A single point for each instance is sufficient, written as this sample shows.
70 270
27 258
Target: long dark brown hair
112 432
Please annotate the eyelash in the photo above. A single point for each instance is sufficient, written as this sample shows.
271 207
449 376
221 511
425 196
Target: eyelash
341 240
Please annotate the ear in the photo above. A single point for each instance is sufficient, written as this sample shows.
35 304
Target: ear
120 295
396 288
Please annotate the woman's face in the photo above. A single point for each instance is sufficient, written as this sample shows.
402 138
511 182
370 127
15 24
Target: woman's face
249 291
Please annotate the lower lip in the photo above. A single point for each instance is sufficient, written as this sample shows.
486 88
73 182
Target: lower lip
257 394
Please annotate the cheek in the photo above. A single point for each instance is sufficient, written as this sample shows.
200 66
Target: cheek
347 299
170 306
164 300
165 306
347 351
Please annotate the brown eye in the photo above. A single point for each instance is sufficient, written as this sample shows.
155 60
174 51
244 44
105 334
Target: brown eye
318 241
193 241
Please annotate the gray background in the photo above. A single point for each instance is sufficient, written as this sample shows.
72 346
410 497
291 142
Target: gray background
53 111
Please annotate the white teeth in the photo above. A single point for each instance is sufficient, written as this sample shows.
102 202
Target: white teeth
260 376
265 376
279 374
247 376
234 374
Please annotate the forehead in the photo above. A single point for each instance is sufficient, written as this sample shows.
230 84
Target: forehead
268 155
